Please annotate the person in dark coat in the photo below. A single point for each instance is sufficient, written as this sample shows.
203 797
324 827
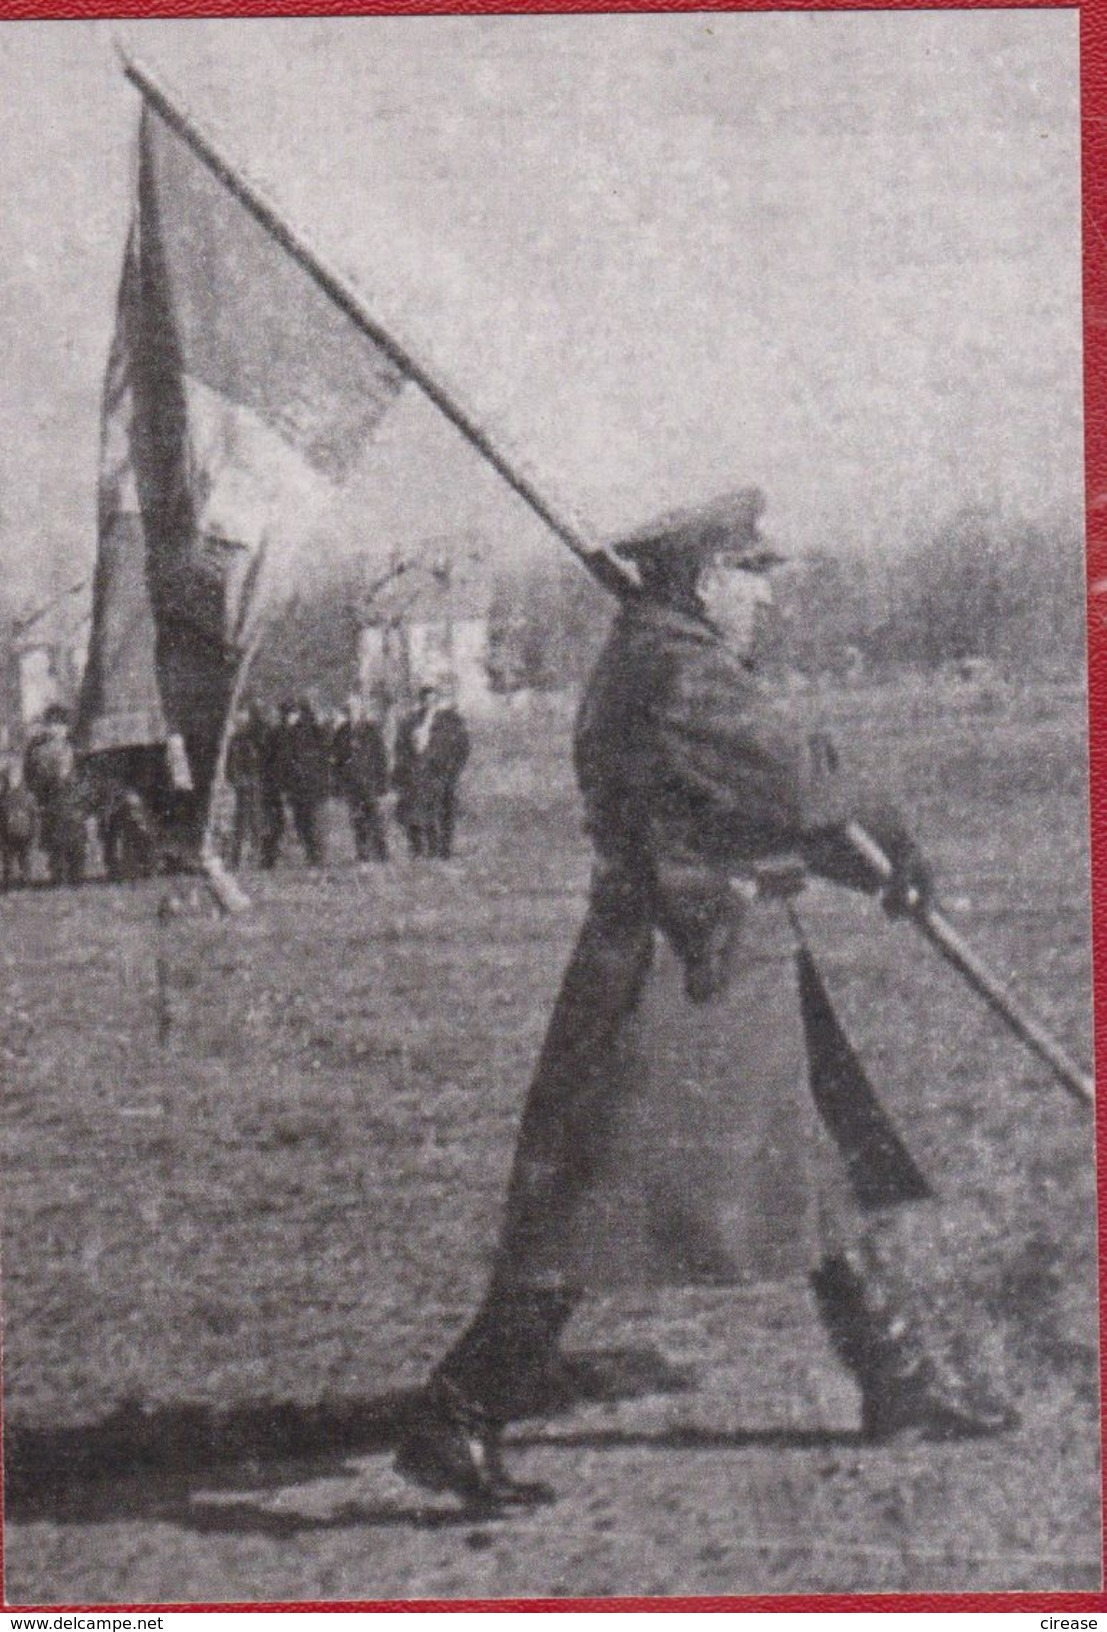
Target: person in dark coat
271 815
404 771
49 760
243 771
303 773
19 826
50 776
669 1135
360 762
431 751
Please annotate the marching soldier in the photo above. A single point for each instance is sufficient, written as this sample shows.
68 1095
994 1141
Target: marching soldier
670 1134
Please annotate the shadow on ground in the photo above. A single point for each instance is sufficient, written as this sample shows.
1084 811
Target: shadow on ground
177 1463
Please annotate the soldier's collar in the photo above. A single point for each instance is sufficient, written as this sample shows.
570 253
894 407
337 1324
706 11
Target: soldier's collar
692 624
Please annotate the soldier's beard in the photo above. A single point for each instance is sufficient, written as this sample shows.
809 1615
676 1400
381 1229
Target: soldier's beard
737 603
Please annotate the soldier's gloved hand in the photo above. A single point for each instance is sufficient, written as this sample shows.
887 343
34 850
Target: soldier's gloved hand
912 882
834 855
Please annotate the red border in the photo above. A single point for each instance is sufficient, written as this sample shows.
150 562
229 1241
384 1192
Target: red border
1093 85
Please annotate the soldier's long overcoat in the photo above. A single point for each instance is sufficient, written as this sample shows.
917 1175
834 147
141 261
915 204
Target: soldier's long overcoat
670 1138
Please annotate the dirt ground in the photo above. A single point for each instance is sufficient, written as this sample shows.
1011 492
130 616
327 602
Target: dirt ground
230 1254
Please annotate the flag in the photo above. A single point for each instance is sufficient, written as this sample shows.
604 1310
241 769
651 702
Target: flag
236 390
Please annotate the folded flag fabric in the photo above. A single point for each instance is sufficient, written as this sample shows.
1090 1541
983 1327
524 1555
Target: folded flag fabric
236 390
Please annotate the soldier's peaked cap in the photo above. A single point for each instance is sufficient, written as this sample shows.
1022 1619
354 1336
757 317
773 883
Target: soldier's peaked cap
723 526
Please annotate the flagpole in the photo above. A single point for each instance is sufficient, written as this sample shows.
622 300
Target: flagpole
605 567
230 895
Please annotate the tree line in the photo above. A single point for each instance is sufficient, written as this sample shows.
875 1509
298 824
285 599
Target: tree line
979 586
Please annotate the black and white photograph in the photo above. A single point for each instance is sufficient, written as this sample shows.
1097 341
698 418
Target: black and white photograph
545 929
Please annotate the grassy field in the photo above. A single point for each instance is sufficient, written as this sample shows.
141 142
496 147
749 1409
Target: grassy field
230 1250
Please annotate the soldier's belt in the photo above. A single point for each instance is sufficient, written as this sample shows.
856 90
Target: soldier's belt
775 878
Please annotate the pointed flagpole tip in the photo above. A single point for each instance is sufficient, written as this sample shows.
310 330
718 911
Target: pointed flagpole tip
131 63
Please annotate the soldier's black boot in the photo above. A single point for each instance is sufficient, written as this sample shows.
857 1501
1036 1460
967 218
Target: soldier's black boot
451 1446
907 1386
504 1366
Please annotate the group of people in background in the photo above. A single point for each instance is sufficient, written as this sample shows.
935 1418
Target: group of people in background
288 763
284 766
43 806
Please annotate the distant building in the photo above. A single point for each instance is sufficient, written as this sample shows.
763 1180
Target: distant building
429 625
43 665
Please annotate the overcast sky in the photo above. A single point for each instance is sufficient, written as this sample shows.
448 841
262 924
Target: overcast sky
835 254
